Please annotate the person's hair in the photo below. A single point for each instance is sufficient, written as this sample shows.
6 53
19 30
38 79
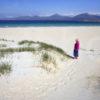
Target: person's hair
77 40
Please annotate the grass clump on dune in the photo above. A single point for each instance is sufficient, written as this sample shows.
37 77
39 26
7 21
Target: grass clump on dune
17 49
29 48
46 46
2 54
48 62
6 40
3 39
5 68
46 57
26 42
3 45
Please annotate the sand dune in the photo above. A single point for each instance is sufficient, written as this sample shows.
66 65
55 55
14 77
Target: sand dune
75 80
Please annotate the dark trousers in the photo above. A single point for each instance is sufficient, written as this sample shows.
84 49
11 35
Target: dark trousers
76 54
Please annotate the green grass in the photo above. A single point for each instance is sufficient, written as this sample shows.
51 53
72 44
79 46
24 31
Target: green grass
2 54
26 42
5 68
3 45
45 46
46 60
46 57
17 49
6 40
3 40
51 47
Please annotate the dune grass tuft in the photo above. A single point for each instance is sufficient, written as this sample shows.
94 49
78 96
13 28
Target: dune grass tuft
17 49
5 68
48 62
6 40
2 54
46 57
26 42
42 46
3 45
45 46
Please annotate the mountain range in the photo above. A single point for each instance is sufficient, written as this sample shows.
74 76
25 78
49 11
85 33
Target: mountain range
84 17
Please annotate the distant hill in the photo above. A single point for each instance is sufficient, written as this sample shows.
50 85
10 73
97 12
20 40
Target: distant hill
84 17
87 17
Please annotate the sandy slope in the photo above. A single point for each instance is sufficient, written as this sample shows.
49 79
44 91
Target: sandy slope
76 80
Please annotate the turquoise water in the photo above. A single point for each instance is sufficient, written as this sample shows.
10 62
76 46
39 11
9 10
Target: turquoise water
45 23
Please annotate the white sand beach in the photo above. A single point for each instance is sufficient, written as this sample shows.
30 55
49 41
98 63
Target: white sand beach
74 80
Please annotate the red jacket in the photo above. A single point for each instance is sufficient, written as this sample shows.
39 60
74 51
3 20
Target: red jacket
76 46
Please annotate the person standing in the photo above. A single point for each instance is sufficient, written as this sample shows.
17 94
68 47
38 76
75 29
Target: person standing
76 49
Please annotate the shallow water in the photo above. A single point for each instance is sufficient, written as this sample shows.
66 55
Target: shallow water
45 23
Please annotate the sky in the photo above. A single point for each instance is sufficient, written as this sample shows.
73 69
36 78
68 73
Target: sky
48 7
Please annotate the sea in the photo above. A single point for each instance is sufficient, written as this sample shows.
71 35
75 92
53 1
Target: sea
45 23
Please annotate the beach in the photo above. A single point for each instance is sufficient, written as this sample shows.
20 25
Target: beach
74 80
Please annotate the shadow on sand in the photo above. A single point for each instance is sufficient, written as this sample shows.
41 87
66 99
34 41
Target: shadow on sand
70 56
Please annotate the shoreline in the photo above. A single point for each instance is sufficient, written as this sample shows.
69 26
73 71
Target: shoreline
50 26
